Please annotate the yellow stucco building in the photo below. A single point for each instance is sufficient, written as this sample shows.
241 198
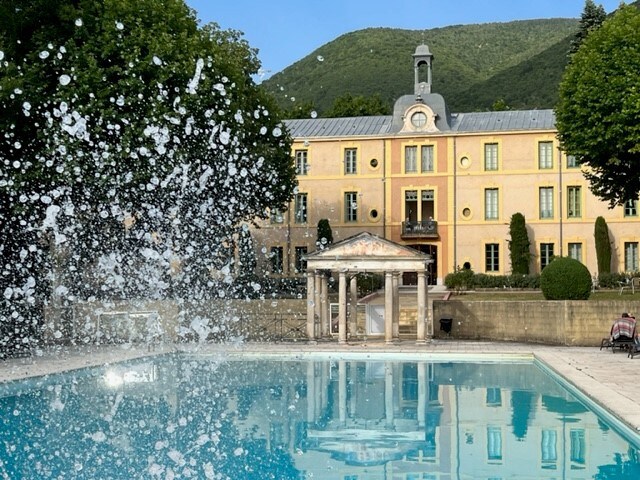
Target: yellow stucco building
446 184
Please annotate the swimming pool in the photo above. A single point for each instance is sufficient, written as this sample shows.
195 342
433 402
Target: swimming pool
192 416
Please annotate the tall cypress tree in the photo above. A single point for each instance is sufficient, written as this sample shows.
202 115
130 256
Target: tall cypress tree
325 236
519 245
603 246
592 17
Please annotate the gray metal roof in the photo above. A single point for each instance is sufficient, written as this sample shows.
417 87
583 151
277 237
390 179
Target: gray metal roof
476 122
338 127
504 121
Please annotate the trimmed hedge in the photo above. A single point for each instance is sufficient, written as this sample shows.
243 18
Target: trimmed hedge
565 279
463 280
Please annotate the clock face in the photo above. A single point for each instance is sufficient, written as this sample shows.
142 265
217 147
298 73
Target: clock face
419 119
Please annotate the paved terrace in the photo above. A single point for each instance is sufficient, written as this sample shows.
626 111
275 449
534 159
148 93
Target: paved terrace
611 379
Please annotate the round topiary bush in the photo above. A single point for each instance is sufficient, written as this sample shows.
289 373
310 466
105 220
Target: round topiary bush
565 279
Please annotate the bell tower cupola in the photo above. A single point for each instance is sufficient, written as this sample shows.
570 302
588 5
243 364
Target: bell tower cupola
422 61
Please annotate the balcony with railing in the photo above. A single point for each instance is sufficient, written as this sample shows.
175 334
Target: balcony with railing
419 229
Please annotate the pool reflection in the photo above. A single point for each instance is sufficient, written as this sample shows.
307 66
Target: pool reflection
186 417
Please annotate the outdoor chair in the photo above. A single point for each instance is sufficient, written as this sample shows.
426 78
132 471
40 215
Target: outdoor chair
631 284
623 332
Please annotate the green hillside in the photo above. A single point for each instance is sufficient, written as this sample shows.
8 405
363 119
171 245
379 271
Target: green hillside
474 65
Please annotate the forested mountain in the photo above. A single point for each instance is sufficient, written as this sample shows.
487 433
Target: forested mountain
474 66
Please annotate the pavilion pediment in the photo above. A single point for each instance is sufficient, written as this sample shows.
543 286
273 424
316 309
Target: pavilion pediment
366 245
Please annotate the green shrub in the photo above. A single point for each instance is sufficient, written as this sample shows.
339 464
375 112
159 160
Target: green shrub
461 279
565 279
611 280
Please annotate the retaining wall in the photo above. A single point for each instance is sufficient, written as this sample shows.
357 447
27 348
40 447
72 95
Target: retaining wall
569 323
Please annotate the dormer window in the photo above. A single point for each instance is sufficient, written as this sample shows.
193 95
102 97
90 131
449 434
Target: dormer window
419 119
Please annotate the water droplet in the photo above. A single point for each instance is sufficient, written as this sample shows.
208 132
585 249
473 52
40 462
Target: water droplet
78 22
119 26
314 114
1 55
43 54
64 79
320 58
157 60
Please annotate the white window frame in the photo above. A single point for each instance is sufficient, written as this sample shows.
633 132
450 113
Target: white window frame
574 201
545 155
426 158
350 161
631 257
411 159
300 208
546 202
350 207
302 167
491 201
491 156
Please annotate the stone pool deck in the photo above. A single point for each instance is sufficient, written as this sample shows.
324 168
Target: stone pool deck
610 379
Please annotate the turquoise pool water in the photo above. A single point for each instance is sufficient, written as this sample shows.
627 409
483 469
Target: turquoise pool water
194 417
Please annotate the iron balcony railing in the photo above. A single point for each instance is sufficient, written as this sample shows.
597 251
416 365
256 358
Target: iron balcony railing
420 229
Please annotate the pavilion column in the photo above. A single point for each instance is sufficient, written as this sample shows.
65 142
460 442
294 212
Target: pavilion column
324 306
342 392
422 394
311 391
388 307
388 395
311 306
342 307
353 306
396 305
318 304
422 307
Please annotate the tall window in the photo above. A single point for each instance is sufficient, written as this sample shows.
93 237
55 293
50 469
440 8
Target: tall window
492 257
301 162
491 156
494 397
411 159
578 446
494 443
548 446
300 208
426 161
631 256
572 161
575 251
301 263
546 202
546 254
350 161
276 259
574 202
491 204
545 155
631 208
351 207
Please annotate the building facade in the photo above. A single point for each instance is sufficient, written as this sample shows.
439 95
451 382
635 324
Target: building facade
446 184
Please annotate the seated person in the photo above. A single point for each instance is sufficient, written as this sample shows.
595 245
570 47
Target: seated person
625 327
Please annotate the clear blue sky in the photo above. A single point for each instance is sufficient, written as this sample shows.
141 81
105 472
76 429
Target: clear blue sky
284 31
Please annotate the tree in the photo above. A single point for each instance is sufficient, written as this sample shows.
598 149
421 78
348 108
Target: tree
598 114
359 106
592 17
132 139
325 236
603 246
519 245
